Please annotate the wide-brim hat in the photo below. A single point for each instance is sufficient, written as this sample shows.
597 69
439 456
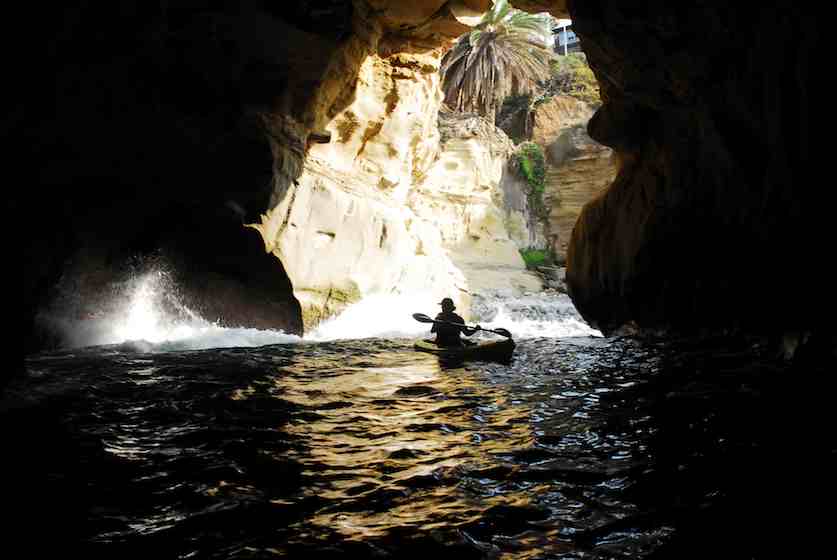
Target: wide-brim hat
447 302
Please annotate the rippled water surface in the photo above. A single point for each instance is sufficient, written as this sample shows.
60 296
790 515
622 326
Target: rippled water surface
581 448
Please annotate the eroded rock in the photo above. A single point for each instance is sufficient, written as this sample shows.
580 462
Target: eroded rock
717 130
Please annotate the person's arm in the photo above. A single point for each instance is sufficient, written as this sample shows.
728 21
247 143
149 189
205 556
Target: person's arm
467 331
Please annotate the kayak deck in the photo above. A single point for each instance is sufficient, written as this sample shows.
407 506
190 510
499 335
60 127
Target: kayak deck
498 350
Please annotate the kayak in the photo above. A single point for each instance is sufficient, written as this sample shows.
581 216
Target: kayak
498 350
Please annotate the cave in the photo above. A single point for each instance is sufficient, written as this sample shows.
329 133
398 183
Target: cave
158 137
158 131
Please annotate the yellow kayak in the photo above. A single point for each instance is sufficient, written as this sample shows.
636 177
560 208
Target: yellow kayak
498 350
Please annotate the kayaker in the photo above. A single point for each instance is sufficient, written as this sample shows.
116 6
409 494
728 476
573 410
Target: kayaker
448 335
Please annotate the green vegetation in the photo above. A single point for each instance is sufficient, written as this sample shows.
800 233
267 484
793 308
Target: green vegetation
536 257
571 75
530 163
508 52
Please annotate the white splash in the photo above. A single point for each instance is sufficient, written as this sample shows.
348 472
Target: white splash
146 315
391 316
379 316
537 316
143 320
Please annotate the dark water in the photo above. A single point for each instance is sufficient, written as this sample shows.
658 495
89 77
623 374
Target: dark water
581 448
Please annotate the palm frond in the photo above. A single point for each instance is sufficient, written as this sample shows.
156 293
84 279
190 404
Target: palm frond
508 52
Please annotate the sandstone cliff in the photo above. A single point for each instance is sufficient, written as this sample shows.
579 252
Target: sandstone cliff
578 167
391 206
473 197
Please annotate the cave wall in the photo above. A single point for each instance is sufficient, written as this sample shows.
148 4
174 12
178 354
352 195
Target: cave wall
142 130
718 217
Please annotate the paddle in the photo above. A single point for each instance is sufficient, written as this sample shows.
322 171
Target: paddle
422 318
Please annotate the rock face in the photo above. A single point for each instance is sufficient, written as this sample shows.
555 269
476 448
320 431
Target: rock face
391 205
480 206
578 167
555 116
342 227
721 146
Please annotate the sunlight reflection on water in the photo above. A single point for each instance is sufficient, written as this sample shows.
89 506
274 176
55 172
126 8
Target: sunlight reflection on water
578 448
395 440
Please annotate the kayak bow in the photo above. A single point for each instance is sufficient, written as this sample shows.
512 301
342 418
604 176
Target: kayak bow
497 350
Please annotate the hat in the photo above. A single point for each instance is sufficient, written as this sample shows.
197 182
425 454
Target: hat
447 302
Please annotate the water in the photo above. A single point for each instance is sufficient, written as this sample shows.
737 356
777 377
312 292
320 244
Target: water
582 447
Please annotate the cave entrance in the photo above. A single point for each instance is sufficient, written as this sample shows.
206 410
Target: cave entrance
543 105
399 162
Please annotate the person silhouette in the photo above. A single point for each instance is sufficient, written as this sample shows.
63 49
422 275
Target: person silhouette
447 334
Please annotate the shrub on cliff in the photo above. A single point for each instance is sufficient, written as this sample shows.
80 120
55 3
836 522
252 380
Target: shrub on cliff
570 75
530 163
533 258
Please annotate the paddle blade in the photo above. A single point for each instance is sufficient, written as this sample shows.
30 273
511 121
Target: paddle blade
422 318
502 332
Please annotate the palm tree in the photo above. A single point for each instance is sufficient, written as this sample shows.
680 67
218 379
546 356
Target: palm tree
508 52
